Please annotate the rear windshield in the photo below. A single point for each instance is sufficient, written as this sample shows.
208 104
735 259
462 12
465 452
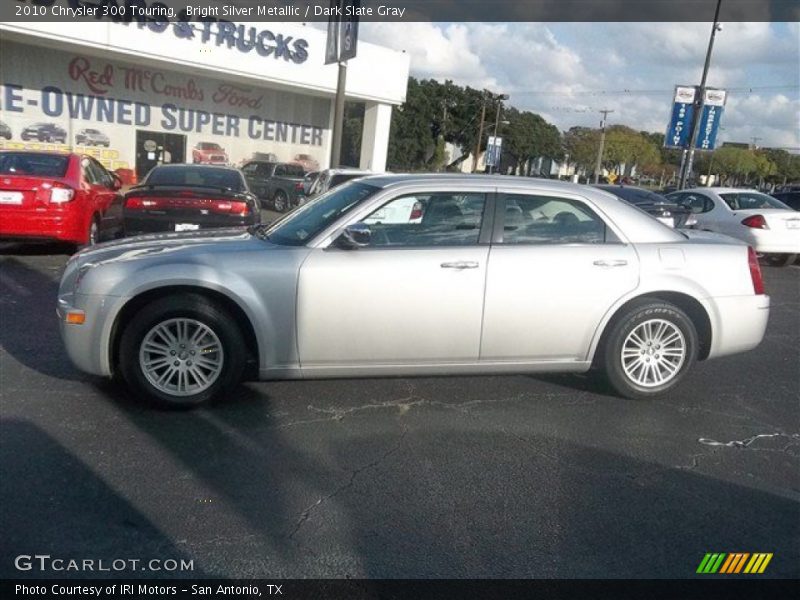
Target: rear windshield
24 163
750 200
289 170
196 176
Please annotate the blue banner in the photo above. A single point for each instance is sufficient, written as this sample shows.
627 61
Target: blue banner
707 128
680 122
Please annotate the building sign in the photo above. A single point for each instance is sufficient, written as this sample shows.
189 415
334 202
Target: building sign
59 101
342 41
713 105
680 122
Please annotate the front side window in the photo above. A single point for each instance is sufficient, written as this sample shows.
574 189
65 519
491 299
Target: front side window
437 219
551 220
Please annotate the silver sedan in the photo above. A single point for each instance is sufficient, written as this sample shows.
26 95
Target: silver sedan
415 275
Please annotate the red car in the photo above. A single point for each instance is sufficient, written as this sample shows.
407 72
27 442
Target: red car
209 153
52 196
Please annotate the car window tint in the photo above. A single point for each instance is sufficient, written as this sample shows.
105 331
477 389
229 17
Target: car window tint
293 170
550 220
28 163
195 175
249 169
695 203
102 176
439 219
750 201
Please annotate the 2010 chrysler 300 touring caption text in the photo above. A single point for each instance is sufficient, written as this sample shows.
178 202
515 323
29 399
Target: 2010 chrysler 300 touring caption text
482 275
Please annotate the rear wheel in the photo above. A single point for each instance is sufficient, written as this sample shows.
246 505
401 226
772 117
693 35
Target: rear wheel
649 349
780 260
181 351
280 202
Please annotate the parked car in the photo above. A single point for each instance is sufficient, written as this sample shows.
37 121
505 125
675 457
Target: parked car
127 176
44 132
790 198
767 224
330 178
308 181
499 275
5 131
209 153
189 197
64 197
666 211
308 162
92 137
279 185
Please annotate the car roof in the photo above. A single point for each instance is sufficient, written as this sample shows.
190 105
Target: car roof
719 190
194 166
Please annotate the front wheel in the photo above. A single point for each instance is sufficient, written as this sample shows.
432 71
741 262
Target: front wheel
780 260
181 351
649 350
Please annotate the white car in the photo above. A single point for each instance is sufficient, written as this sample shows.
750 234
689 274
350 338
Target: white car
765 223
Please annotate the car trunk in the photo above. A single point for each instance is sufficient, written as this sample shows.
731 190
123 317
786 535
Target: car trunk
24 193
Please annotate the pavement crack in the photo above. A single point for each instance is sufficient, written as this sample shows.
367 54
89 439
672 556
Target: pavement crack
747 442
354 473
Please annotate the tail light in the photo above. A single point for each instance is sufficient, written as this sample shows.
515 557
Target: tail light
756 222
60 195
755 271
416 211
298 187
216 205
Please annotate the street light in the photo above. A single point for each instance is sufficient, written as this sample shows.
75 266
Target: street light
500 99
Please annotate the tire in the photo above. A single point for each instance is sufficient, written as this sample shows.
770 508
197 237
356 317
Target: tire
780 260
280 201
196 313
636 377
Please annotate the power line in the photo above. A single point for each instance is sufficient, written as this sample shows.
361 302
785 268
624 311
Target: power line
742 89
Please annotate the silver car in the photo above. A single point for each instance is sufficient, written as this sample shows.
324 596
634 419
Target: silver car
497 275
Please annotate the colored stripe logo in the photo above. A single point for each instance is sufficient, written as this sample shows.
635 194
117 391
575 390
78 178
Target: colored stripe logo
731 563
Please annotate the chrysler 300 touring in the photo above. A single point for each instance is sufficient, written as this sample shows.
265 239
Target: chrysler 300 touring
485 275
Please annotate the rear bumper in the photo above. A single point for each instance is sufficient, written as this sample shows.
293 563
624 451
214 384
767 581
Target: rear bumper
136 225
65 226
768 241
738 324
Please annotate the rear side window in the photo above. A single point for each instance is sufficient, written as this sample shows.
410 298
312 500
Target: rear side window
196 176
289 171
42 165
751 200
532 219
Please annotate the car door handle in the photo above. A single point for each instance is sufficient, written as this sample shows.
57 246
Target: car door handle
461 264
610 263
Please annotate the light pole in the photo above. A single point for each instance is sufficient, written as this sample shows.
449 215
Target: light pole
480 134
599 164
698 109
500 99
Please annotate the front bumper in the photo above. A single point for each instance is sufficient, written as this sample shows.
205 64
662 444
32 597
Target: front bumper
738 323
87 344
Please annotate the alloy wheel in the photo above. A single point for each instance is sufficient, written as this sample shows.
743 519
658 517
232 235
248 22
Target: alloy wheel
181 357
653 353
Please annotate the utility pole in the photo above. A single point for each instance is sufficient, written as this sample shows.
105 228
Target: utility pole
698 109
500 99
480 134
599 165
338 116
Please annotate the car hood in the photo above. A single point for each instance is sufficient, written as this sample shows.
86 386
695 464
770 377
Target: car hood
157 244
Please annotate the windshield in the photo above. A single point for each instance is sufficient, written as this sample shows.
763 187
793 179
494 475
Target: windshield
751 200
196 176
23 163
310 219
208 146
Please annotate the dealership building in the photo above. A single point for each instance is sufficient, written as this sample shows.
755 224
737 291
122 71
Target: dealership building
136 94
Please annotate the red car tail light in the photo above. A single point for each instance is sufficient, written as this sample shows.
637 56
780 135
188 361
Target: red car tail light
299 186
756 222
60 195
755 271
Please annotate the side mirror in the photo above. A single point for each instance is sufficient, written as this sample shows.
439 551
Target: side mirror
357 235
116 183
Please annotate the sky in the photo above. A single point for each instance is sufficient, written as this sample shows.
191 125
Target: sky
567 72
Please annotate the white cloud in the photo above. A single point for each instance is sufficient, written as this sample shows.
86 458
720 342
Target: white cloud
567 72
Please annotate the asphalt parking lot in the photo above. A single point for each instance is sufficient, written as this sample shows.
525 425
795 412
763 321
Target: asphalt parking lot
510 476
